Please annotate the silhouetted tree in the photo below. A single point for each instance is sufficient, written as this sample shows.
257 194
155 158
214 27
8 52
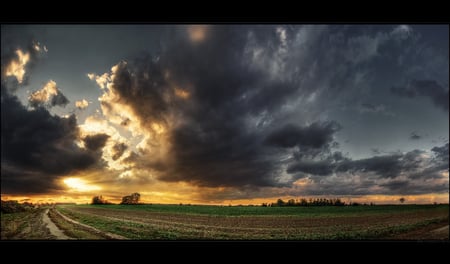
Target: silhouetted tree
402 200
291 202
303 202
280 202
98 200
131 199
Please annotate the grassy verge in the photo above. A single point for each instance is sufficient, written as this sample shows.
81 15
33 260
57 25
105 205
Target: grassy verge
72 230
13 224
24 225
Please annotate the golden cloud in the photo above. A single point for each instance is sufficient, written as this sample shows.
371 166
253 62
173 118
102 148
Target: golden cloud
16 67
50 89
81 104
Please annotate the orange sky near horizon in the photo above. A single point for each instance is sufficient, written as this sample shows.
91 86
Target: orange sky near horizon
160 199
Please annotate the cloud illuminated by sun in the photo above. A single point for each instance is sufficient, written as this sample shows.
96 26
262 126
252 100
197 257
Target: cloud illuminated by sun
80 185
17 66
182 93
82 104
50 89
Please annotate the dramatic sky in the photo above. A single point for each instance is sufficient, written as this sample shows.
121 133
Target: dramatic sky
225 113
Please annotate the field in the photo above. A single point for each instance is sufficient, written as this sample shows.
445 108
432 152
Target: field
167 222
183 222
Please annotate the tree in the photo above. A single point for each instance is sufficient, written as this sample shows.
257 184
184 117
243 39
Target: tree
98 200
291 202
402 200
280 202
131 199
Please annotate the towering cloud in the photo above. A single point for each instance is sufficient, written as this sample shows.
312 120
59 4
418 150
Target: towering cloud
210 109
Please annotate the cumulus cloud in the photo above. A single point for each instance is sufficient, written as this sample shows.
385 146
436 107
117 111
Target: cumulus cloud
81 104
49 94
101 80
427 88
17 66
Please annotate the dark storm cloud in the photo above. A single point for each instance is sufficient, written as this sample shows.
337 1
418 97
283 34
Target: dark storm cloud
95 142
38 143
320 168
428 88
388 166
16 180
411 173
239 74
398 186
317 135
412 163
211 147
442 153
415 136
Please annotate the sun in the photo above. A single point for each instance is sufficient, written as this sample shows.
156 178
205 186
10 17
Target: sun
80 185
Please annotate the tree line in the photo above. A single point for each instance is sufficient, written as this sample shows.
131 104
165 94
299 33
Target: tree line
134 198
311 202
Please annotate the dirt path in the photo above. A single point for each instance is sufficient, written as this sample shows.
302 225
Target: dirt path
54 230
90 228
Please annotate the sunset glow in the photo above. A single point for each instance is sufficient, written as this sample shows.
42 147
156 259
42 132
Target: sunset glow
77 184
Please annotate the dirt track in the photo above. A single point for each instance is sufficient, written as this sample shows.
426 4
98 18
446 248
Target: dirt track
54 230
90 228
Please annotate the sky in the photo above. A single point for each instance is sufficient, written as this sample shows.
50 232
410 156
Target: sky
225 114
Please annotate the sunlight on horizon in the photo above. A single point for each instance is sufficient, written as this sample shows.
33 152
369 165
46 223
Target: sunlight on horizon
80 185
